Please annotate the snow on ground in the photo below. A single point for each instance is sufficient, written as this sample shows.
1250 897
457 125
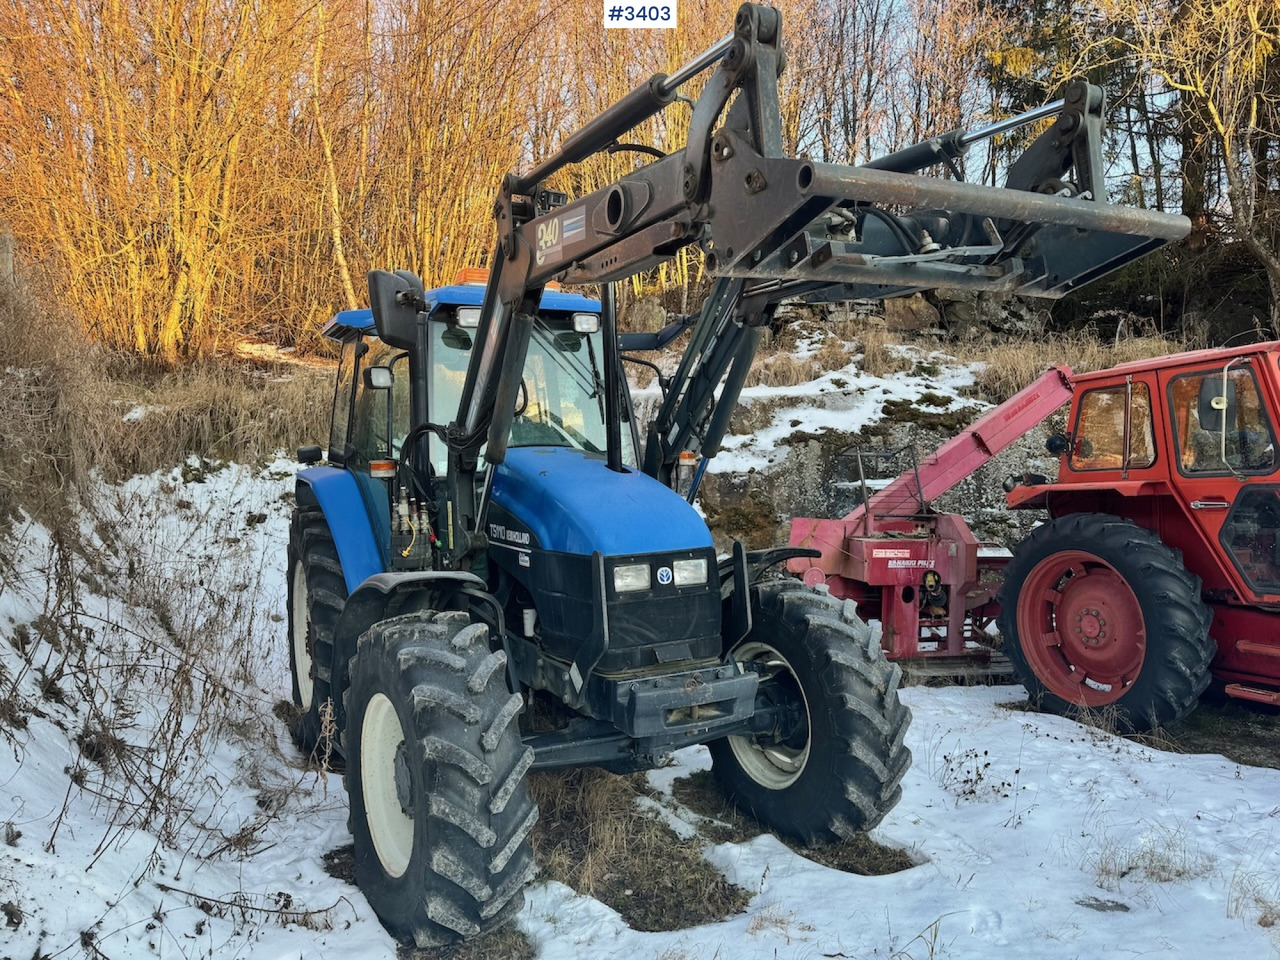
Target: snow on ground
1035 837
844 399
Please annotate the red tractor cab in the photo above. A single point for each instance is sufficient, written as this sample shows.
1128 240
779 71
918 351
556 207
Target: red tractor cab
1161 562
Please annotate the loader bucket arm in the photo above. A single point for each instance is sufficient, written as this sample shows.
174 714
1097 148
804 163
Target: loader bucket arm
777 226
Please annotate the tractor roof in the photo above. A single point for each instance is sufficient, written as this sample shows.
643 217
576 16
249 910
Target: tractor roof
1217 356
348 323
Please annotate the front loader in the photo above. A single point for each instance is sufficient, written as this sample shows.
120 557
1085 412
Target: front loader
489 577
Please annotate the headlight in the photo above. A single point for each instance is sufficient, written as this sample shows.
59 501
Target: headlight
689 572
630 577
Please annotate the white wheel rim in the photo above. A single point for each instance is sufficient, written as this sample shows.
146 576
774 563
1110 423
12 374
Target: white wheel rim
301 652
390 828
773 766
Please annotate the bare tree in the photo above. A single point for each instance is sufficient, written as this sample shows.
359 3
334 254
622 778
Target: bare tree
1222 57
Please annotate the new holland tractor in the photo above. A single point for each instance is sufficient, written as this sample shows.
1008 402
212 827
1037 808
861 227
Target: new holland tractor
483 578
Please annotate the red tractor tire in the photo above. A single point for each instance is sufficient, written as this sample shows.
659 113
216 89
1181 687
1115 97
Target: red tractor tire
1099 616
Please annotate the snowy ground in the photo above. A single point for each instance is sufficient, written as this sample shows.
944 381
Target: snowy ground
843 399
1034 836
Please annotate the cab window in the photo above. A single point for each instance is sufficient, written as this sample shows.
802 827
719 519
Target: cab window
450 354
381 417
1220 423
561 400
1099 436
342 402
1251 535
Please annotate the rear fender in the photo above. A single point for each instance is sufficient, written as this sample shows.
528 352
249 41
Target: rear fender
338 496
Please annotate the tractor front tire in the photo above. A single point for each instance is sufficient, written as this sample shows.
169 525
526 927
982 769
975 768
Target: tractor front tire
440 810
833 763
317 594
1099 616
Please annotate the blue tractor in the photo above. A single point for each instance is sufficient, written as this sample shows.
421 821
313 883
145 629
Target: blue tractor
597 626
492 574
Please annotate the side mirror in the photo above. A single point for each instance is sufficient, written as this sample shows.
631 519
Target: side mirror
309 454
396 300
378 378
1217 406
457 338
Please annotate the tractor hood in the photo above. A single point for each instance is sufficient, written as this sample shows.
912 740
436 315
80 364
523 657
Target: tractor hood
569 501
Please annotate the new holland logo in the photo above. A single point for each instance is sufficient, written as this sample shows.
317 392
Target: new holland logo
664 576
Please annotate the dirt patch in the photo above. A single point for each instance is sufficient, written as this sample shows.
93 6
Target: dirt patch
860 855
1244 732
947 422
594 837
1238 730
505 943
341 863
751 520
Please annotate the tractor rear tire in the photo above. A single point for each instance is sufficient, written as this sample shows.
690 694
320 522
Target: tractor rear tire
1099 617
440 810
317 594
837 766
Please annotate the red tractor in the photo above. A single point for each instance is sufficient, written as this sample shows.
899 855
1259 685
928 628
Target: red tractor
1159 565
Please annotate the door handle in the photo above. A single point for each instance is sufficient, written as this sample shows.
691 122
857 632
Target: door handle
1210 505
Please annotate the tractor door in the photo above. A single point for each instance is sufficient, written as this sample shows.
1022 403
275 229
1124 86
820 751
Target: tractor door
1228 469
379 424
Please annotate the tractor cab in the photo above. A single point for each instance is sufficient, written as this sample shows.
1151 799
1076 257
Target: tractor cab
561 401
1198 432
1161 561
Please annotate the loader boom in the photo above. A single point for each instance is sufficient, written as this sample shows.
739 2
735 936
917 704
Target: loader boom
778 227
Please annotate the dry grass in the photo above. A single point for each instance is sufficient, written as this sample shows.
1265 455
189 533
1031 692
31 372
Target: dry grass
1161 855
67 426
841 337
73 410
782 369
1012 364
1254 894
508 942
592 836
840 341
878 357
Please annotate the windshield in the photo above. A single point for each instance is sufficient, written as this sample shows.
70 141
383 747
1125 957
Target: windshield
561 399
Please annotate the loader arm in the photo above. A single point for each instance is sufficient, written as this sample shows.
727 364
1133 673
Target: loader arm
773 227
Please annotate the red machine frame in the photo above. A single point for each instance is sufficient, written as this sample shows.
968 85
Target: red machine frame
881 553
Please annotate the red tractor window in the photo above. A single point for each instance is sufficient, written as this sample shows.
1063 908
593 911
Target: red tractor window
1221 424
1252 537
1100 433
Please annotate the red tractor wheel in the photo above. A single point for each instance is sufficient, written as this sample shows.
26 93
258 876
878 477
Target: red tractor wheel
1097 613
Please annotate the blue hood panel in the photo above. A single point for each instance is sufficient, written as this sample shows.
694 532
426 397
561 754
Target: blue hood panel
572 503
